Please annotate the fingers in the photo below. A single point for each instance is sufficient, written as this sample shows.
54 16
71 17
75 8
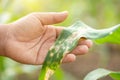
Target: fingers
81 49
86 42
51 17
69 58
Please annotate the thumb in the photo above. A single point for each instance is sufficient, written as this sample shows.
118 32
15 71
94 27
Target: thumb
51 17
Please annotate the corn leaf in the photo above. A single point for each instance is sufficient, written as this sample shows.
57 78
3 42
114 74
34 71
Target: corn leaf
99 73
67 41
114 37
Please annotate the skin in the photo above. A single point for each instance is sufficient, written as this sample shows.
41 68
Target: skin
28 39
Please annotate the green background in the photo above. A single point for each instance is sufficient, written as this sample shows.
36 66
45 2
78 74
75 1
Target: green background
95 13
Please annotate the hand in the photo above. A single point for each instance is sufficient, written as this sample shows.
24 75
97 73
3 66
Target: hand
30 38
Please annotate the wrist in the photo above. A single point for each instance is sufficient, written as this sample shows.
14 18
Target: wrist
3 38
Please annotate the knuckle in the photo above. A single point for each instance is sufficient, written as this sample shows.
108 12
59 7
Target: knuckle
81 49
84 49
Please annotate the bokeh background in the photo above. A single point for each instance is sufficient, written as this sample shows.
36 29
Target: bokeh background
96 13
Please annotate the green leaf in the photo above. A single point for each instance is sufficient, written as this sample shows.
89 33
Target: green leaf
67 41
2 64
99 73
115 75
114 37
59 75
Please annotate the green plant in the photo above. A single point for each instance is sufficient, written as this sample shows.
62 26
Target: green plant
99 73
68 40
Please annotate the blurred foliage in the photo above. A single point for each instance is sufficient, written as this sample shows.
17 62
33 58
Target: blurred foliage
96 13
101 73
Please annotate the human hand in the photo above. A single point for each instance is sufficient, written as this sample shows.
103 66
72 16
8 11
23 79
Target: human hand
30 38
